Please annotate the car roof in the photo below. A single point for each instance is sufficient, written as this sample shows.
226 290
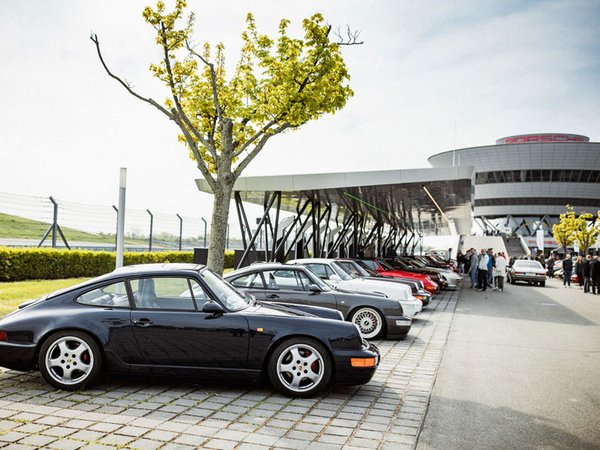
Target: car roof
310 260
157 267
261 266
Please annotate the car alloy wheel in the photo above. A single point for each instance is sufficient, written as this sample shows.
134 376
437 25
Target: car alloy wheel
69 360
300 367
369 322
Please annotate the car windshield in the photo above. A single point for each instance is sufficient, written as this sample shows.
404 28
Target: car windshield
352 268
342 272
316 280
230 297
525 264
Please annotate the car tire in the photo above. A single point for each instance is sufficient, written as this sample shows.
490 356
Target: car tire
542 283
300 367
69 360
512 281
369 321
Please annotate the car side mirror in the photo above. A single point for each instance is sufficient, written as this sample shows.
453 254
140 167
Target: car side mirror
213 308
314 288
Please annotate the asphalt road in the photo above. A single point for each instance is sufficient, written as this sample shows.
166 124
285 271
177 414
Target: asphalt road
521 370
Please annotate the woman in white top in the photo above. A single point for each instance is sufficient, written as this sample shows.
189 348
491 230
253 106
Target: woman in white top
500 272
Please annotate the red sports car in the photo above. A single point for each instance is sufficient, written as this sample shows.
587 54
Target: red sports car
388 271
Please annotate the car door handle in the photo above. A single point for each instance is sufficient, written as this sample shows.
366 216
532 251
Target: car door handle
272 296
142 322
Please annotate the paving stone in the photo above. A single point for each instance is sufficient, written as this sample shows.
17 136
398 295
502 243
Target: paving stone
66 444
220 444
37 440
161 435
145 444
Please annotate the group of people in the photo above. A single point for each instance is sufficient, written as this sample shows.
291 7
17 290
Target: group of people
586 269
486 269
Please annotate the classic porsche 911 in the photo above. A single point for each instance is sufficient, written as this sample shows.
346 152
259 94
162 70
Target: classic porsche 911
181 319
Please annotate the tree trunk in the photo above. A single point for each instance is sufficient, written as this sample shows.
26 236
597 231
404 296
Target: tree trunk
218 226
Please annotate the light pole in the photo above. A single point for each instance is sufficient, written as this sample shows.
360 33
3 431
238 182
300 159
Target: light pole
204 231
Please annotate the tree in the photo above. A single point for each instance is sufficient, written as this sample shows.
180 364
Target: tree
564 230
584 232
225 122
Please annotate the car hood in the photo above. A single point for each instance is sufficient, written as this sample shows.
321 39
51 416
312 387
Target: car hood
391 290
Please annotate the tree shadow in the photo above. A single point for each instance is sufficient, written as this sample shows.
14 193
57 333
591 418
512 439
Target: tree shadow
518 301
458 424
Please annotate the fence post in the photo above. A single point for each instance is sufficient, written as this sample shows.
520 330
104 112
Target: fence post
180 229
227 246
54 227
151 225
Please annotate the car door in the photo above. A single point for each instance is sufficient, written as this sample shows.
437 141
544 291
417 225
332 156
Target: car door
171 329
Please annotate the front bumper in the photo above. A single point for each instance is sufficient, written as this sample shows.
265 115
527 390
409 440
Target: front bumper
346 374
397 326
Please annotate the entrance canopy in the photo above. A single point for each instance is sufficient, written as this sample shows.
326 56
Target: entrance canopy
360 208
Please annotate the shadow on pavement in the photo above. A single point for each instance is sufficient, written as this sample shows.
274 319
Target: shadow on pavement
497 428
519 301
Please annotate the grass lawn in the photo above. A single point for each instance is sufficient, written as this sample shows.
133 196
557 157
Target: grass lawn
14 293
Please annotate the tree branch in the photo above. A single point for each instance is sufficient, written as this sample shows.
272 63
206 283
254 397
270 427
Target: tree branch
194 148
180 110
96 41
213 79
257 148
351 37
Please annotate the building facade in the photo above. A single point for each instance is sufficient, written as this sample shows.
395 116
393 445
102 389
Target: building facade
523 183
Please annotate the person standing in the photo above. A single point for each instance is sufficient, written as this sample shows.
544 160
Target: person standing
567 267
491 261
587 274
595 272
484 260
500 271
579 271
550 266
474 268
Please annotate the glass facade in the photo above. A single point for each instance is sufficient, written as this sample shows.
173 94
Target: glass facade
536 176
551 201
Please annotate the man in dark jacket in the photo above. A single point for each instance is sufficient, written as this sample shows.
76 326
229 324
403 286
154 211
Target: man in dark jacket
567 267
587 275
595 272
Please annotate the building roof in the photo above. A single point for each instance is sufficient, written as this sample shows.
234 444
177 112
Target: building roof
394 197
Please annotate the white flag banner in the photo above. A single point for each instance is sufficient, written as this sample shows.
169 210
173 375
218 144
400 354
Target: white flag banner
539 240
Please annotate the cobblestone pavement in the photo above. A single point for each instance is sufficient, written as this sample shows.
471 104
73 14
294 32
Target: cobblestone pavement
125 413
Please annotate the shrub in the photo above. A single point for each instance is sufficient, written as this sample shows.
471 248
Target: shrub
47 264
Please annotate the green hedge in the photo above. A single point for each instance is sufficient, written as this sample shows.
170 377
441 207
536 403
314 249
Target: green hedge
48 264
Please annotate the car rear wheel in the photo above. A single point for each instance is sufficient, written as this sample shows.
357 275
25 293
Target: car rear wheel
69 360
300 367
542 283
369 322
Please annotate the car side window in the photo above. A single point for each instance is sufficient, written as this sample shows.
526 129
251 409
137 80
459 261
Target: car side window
291 279
168 293
252 280
113 295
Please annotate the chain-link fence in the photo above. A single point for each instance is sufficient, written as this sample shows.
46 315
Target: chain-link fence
28 221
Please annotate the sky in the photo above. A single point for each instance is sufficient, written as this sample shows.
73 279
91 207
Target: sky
430 76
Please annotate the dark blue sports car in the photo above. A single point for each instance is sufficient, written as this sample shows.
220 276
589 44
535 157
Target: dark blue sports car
181 319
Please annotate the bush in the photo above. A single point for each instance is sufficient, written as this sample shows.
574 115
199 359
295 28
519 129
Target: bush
48 264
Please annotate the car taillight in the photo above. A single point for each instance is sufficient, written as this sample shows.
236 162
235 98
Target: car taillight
3 336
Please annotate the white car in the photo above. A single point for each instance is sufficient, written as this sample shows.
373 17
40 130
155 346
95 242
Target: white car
330 272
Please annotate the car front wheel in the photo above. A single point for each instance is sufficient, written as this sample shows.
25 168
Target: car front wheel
369 322
69 360
300 367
